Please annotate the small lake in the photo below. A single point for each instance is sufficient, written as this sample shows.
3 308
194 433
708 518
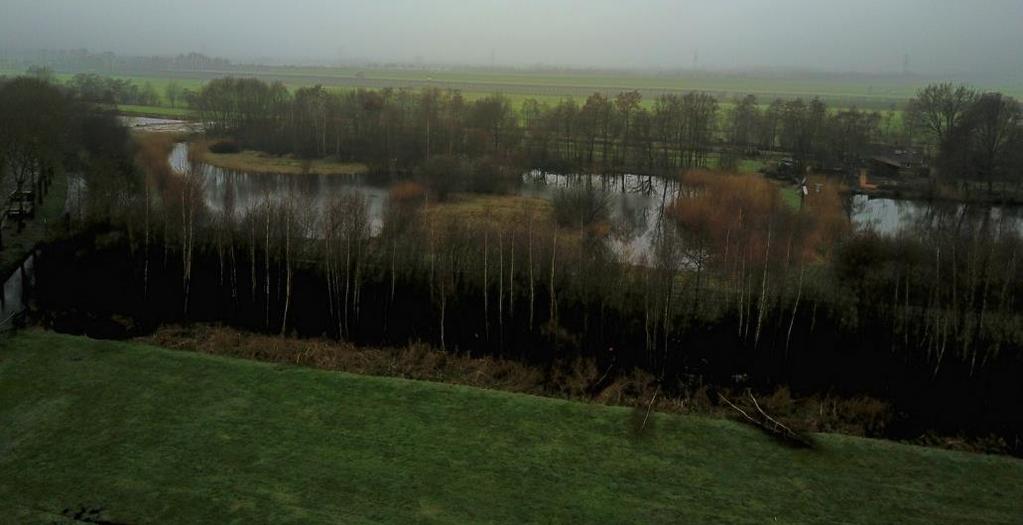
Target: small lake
637 202
892 216
250 190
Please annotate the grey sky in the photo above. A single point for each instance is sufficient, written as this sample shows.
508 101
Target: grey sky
940 36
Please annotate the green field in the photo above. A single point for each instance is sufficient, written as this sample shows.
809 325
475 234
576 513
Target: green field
839 91
142 435
872 92
864 87
258 162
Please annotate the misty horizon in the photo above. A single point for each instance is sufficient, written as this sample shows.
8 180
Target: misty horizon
928 37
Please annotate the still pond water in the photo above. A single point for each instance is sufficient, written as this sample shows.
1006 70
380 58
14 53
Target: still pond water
636 201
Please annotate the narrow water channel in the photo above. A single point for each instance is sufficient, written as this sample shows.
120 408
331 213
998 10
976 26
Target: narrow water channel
13 299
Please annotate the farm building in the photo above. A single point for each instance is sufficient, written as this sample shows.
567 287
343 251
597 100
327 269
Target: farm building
889 163
885 167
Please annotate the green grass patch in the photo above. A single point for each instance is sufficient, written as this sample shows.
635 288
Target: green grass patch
790 196
155 111
751 166
151 435
495 209
259 162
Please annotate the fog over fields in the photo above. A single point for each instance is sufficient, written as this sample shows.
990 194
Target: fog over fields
939 37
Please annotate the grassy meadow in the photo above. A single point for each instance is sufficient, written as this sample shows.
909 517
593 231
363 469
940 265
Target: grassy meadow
492 209
128 433
155 111
259 162
784 84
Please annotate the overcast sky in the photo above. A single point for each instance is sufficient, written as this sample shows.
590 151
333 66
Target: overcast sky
940 36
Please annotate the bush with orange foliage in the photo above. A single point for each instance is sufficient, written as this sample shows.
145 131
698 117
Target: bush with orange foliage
405 200
755 247
151 155
407 194
827 214
728 216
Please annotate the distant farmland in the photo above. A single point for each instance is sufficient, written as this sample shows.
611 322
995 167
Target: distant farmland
885 94
839 90
864 91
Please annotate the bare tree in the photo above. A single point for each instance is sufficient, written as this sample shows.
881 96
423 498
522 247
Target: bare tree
995 120
173 93
627 103
938 109
191 195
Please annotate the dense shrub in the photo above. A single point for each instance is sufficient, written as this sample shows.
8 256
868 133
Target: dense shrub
443 175
225 146
581 207
492 176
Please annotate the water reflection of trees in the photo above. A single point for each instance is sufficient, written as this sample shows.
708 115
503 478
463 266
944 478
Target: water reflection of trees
939 219
922 218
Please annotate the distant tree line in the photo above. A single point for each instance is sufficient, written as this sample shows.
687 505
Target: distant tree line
968 135
77 60
404 128
95 88
811 133
100 89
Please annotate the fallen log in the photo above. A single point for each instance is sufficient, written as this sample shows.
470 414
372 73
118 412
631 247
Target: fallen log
770 425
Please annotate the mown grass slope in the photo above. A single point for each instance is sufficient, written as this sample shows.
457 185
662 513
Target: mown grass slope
141 435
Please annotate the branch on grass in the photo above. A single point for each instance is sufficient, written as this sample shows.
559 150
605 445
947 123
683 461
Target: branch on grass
649 409
768 424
